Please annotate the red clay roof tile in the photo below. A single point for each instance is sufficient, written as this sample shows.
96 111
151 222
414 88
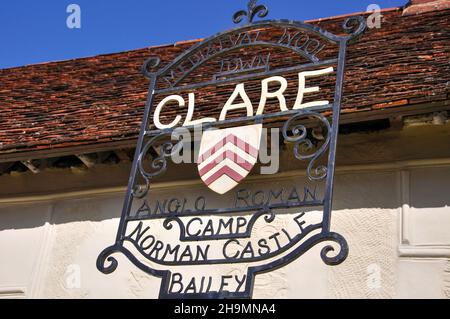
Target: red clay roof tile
101 99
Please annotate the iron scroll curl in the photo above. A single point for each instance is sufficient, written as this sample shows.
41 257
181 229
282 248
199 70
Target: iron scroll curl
302 143
150 65
158 164
340 256
354 26
106 257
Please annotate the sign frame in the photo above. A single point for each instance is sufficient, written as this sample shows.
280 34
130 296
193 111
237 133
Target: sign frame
354 26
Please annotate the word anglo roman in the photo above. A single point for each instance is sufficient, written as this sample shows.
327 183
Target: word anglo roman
246 105
243 198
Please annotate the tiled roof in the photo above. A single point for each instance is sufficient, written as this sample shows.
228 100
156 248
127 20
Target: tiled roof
101 99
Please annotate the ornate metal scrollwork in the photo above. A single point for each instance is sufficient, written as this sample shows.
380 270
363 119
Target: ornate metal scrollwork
150 65
354 26
303 143
158 165
252 10
343 250
105 256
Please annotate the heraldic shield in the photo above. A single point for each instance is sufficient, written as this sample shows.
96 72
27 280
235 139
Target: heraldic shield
227 156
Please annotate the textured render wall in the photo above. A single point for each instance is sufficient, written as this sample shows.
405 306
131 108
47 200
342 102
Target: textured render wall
45 244
367 209
447 280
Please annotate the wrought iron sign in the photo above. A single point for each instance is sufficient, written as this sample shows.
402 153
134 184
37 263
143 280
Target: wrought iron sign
199 248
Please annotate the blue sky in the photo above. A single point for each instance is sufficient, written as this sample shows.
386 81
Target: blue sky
36 31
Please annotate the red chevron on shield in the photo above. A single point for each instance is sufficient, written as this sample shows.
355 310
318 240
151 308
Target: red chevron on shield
227 156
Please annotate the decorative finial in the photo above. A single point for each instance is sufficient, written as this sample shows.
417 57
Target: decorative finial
252 10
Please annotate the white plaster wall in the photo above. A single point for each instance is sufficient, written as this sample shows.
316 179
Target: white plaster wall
366 213
46 243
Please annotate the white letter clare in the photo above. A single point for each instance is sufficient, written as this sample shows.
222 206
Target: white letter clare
247 104
161 104
190 114
265 94
302 89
